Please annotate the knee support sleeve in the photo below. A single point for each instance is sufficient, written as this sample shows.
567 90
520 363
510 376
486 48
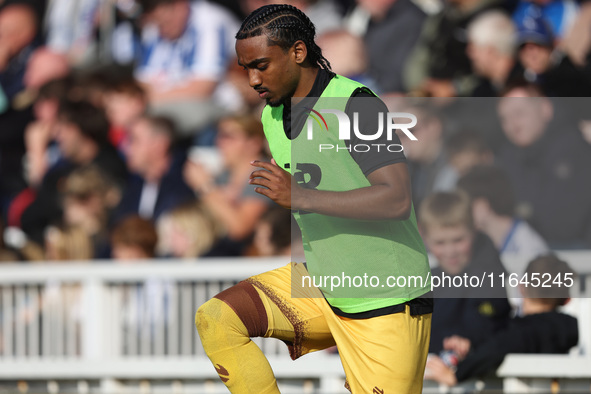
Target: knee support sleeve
244 301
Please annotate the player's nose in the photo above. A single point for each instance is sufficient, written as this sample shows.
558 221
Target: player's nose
254 78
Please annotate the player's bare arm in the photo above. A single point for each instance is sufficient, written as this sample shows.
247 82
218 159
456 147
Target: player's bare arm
388 197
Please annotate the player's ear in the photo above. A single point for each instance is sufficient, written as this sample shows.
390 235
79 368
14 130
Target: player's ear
300 51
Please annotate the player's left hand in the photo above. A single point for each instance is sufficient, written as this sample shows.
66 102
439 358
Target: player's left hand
276 183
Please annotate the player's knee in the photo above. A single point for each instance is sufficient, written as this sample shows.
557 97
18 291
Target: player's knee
217 317
219 327
238 309
207 316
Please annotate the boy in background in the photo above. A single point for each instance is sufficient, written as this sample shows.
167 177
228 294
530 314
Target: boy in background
134 238
541 329
445 222
125 101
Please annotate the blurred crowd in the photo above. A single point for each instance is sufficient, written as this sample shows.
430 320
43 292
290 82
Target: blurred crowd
127 128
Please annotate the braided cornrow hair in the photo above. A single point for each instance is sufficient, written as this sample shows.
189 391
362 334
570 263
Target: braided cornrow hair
283 24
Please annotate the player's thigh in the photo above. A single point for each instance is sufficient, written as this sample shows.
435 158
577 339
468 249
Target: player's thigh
385 354
297 319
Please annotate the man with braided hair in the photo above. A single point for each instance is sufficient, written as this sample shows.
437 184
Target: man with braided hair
356 217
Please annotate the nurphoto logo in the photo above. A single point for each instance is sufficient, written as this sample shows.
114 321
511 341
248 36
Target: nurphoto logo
402 121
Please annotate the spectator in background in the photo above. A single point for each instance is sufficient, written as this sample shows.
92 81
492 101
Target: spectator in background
548 168
47 82
124 101
71 26
181 58
18 29
541 329
390 31
493 209
41 132
134 238
438 65
20 133
491 49
41 152
445 222
89 198
272 235
187 231
542 64
427 159
82 140
184 48
156 185
228 196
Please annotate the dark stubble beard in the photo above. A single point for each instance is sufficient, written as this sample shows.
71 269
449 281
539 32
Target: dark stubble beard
282 101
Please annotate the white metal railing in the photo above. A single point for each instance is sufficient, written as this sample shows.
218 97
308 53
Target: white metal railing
107 310
105 323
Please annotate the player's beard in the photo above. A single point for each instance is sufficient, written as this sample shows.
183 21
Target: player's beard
282 100
273 103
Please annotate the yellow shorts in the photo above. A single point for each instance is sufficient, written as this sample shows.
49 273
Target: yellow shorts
380 355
